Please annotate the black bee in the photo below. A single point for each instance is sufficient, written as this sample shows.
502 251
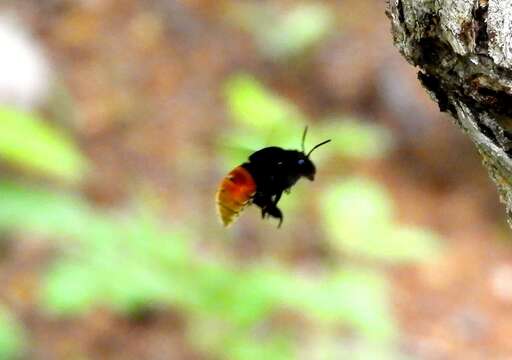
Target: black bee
263 179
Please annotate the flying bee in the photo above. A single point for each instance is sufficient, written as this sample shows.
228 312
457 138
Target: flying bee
263 179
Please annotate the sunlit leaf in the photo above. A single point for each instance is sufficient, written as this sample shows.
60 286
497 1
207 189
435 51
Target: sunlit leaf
354 297
282 33
70 288
30 143
356 139
261 118
363 300
358 216
354 211
251 104
41 211
245 348
12 337
296 31
413 244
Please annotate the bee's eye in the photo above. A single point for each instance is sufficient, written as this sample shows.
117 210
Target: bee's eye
301 162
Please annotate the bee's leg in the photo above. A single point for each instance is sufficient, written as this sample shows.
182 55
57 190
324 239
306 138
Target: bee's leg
263 202
275 213
268 206
277 197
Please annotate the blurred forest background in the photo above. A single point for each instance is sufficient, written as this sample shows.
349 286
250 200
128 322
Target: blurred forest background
119 119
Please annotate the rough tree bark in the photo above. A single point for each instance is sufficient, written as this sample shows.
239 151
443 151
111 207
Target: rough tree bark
463 49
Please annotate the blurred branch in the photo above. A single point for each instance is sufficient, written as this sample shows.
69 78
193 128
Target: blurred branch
464 52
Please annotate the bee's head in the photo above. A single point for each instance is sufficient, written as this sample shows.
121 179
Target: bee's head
305 165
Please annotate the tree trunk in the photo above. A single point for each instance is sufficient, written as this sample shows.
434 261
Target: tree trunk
463 49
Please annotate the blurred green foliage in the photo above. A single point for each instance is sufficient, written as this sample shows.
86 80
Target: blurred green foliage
357 213
12 337
260 117
284 32
355 139
252 104
358 219
30 143
263 118
131 263
134 264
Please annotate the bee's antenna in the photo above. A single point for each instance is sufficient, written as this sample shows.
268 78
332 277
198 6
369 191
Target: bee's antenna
317 146
304 138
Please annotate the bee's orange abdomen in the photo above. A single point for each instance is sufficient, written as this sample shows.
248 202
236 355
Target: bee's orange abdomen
234 193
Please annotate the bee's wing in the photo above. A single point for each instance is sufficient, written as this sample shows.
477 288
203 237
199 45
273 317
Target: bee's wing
234 193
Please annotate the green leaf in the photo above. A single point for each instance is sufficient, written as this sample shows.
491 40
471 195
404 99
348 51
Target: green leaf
261 118
355 139
358 217
12 337
40 211
70 288
251 104
296 31
362 296
30 143
354 297
245 348
356 210
283 32
413 244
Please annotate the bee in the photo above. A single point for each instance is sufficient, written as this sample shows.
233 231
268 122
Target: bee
262 180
